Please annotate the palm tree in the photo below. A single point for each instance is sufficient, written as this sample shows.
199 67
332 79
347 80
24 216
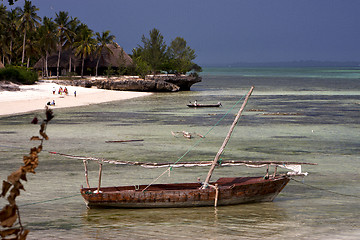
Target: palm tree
3 25
32 48
11 31
74 28
28 21
63 33
47 39
85 44
103 42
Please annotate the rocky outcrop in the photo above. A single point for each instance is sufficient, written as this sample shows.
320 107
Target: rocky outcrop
136 85
183 81
157 83
8 86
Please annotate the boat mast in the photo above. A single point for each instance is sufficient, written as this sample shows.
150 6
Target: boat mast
226 139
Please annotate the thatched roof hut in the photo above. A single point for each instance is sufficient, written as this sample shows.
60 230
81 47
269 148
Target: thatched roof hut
118 58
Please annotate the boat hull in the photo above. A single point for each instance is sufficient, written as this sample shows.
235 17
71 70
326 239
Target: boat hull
231 191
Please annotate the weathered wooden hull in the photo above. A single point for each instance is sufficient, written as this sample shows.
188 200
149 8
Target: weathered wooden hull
231 191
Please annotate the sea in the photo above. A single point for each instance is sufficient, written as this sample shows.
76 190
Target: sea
294 114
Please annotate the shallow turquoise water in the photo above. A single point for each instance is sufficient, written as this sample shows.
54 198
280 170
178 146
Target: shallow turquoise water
299 117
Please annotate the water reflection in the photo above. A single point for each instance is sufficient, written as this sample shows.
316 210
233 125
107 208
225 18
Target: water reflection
230 222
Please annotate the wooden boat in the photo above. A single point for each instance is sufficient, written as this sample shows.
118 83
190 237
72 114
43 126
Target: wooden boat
196 105
224 191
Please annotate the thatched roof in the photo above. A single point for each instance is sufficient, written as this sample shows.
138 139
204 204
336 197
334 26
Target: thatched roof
1 65
118 58
64 60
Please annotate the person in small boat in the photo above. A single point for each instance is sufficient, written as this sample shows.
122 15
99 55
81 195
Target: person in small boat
195 103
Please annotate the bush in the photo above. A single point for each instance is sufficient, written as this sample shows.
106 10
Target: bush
18 75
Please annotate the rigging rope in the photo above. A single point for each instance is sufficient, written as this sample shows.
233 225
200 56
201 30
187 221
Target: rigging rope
50 200
196 143
325 190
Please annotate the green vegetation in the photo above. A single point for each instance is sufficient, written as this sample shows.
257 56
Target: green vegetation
25 39
18 74
155 57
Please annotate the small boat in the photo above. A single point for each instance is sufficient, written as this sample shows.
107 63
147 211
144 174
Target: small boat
196 105
224 191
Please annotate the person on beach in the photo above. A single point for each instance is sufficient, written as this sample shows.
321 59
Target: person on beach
66 91
54 90
75 93
51 103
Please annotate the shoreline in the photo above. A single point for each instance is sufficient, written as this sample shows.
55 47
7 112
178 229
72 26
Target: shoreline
35 97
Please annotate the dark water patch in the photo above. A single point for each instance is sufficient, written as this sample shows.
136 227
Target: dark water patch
7 132
119 124
276 151
290 137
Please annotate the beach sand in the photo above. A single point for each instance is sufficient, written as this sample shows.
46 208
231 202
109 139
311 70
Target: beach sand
35 97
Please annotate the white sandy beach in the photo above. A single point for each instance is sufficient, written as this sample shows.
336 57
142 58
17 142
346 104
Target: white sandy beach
35 97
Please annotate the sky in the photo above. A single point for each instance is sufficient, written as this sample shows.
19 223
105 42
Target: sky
227 31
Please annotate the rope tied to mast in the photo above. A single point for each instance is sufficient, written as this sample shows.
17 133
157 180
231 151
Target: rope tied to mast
198 141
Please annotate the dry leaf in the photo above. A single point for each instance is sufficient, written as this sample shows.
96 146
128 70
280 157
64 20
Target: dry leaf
24 234
7 212
23 175
19 186
6 186
28 168
27 160
12 196
8 232
35 138
33 151
9 221
15 176
43 134
39 149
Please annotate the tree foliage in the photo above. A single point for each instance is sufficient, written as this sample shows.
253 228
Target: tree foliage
153 51
102 43
85 44
28 22
25 40
154 56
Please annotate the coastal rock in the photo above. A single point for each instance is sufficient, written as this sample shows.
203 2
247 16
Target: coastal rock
159 83
183 81
8 86
135 85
